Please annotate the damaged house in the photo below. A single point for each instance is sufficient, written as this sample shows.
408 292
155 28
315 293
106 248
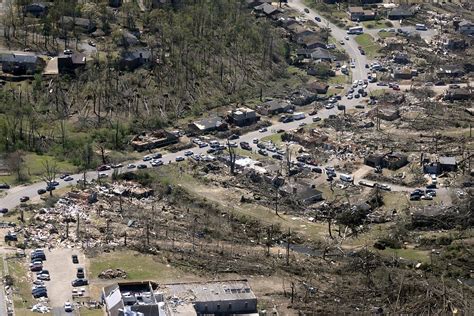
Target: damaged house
392 160
242 116
156 139
303 192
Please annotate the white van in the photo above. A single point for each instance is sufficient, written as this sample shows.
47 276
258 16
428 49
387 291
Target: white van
346 177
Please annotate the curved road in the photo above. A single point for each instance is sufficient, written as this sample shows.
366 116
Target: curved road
351 47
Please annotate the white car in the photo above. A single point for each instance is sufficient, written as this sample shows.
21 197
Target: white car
255 141
131 166
350 96
68 308
355 82
262 130
360 82
180 158
346 38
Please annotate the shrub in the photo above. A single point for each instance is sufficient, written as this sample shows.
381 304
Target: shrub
388 24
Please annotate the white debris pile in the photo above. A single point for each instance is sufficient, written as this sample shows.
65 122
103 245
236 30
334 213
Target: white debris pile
40 308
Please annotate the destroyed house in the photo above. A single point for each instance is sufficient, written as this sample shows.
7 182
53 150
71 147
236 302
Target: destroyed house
452 71
207 125
322 54
146 298
274 107
318 87
448 163
466 27
156 139
304 193
243 116
20 64
392 161
458 94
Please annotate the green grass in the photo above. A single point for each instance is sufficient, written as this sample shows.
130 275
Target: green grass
33 168
409 254
339 79
367 42
376 24
386 34
275 138
138 266
91 312
22 295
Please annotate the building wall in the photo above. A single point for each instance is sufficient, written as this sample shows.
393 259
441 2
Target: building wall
222 307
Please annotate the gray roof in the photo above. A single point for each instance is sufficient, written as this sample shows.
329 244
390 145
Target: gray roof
321 53
208 123
401 11
447 161
266 8
19 58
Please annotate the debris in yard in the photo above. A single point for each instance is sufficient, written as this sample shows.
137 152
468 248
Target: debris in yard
40 308
113 274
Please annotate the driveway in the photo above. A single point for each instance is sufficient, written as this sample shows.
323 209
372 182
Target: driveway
62 272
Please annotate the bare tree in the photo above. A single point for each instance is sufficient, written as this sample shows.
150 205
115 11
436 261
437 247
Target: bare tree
15 163
232 157
50 170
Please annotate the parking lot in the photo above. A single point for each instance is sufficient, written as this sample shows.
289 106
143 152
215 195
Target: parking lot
62 271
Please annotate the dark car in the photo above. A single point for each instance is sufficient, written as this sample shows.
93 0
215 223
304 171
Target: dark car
64 176
75 259
277 156
440 83
80 273
245 145
39 293
234 136
4 186
431 186
103 168
306 10
211 150
50 188
317 170
317 18
142 166
53 183
359 106
3 210
262 152
79 282
41 191
24 199
157 156
11 237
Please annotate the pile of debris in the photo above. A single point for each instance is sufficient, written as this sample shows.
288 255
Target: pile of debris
40 308
113 274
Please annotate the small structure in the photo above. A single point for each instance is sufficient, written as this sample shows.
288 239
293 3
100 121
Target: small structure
69 63
360 14
404 73
274 107
20 64
448 164
455 43
207 125
450 71
70 22
131 60
243 116
318 87
156 139
392 160
303 192
461 94
302 97
400 13
115 3
466 27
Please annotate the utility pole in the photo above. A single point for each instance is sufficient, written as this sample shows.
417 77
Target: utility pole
288 240
78 226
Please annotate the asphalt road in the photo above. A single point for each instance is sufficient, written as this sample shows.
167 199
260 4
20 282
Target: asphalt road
359 72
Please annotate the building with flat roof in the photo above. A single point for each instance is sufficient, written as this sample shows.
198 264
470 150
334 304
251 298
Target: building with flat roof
194 298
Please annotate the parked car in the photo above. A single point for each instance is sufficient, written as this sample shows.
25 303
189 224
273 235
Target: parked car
39 293
188 153
103 168
79 282
142 166
131 166
68 308
11 236
3 210
75 259
41 191
262 130
262 152
360 106
147 158
80 273
306 10
234 136
179 158
157 156
24 199
4 186
316 119
68 178
103 175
